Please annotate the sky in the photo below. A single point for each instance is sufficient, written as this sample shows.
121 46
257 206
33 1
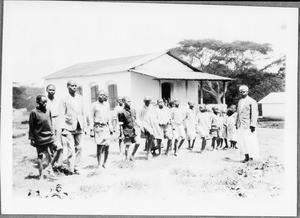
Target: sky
41 37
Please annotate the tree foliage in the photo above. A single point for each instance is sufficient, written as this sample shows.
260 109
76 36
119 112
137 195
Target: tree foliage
236 60
24 97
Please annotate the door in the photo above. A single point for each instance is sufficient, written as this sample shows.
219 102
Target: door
166 91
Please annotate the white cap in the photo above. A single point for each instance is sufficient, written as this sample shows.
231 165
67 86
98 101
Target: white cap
244 88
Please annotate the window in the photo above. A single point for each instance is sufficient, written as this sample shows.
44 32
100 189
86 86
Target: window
112 95
94 93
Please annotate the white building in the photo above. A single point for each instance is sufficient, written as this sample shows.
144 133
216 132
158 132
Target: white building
159 75
273 105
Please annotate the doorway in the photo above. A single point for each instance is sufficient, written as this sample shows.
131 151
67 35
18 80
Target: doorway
166 91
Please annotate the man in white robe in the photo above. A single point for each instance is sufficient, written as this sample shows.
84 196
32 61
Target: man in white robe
247 113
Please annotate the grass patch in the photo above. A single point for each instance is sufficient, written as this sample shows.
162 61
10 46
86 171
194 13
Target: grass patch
88 190
186 172
125 164
133 185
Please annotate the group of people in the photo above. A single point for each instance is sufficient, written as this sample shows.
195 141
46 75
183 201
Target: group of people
56 127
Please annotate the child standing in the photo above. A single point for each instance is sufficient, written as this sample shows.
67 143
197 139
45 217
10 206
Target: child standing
231 128
215 128
41 133
203 125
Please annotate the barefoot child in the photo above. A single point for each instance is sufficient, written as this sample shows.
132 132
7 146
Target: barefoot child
190 123
215 128
101 127
231 128
130 127
41 133
203 126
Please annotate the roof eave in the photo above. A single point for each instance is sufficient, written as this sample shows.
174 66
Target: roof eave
183 62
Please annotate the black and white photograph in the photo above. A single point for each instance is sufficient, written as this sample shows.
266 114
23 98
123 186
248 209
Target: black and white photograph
131 108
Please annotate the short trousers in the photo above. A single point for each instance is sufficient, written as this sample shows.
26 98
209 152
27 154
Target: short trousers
42 149
214 133
166 131
145 134
133 137
178 131
102 134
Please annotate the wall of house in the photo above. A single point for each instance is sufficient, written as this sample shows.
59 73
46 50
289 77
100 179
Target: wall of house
121 79
270 110
142 86
165 63
183 91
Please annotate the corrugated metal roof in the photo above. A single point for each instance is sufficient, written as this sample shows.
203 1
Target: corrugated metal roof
128 64
273 98
179 75
104 66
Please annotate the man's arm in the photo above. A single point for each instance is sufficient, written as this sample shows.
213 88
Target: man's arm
110 122
31 128
91 123
61 114
253 115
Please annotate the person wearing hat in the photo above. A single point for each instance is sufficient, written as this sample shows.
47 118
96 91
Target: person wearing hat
190 124
203 125
215 128
101 127
177 119
147 119
130 127
230 127
223 130
246 120
163 117
116 123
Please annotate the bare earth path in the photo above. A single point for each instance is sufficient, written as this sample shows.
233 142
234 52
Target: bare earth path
190 175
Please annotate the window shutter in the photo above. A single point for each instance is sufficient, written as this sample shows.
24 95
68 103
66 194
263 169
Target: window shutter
112 95
94 93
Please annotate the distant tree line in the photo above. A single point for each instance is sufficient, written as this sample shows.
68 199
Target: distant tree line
24 97
236 60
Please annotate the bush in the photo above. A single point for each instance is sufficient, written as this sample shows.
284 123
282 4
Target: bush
24 97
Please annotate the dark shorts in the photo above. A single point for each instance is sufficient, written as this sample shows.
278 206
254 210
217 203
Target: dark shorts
131 136
145 134
214 133
132 139
42 149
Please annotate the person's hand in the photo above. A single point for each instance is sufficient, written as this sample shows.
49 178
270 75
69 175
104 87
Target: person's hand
32 142
252 128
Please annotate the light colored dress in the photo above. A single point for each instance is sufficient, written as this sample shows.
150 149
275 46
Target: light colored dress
231 129
190 124
203 124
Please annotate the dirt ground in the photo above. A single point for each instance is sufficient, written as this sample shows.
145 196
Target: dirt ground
191 174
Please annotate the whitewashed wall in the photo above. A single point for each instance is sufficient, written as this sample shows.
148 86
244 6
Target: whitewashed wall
142 86
272 110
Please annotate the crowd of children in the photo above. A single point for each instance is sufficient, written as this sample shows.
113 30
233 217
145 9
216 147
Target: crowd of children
155 121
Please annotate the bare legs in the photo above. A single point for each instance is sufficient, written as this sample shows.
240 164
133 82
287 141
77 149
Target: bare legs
102 149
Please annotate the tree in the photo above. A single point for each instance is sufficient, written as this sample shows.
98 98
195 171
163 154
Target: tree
25 97
224 59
